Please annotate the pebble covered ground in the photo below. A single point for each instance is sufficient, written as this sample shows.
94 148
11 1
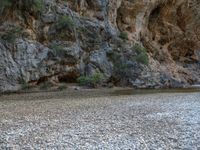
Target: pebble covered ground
151 121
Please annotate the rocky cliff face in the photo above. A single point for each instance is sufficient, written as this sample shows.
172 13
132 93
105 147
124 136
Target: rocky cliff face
131 42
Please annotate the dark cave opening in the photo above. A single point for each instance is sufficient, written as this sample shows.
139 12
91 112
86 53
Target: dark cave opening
70 77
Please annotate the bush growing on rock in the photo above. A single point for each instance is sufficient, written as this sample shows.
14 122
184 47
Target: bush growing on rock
124 36
11 35
57 49
92 81
5 3
33 6
65 21
38 5
141 56
82 29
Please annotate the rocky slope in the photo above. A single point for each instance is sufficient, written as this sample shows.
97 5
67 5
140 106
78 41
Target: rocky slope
151 43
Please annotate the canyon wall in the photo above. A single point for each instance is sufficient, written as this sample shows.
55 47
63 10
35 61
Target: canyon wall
138 43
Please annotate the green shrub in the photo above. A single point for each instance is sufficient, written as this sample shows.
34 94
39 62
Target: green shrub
83 80
65 21
33 6
5 4
11 35
57 49
82 29
139 48
96 78
124 36
93 80
38 5
141 56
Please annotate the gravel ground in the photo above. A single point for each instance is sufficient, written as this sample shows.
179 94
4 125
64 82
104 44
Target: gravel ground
150 121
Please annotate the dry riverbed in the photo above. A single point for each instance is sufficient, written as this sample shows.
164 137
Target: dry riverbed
104 119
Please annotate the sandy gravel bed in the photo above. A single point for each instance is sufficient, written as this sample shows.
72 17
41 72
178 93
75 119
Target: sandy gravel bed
150 121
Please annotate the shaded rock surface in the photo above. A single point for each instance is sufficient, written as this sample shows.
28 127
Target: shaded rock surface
72 38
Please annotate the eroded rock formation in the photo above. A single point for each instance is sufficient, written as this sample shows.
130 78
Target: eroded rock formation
70 38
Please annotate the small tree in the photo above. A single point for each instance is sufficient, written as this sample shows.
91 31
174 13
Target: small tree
141 56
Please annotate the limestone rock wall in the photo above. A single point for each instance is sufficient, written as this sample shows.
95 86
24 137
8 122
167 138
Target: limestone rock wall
72 38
